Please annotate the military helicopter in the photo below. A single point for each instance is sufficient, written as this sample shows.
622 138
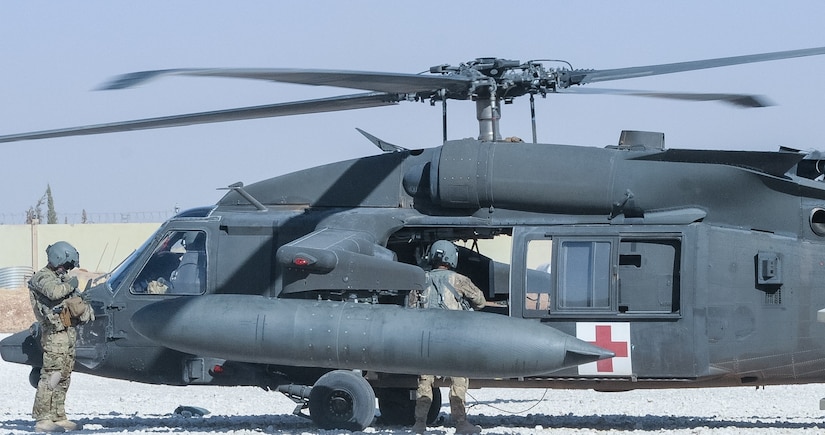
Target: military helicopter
629 267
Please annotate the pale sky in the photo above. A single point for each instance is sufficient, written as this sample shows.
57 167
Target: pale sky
54 54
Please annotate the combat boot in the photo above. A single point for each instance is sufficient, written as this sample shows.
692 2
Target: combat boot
68 425
465 427
47 426
422 406
419 427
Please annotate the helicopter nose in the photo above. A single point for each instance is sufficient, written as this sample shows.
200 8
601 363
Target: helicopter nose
22 348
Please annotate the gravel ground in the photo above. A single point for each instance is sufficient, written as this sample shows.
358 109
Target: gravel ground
107 406
15 310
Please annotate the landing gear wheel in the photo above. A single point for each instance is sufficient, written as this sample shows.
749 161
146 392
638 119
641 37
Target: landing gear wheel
342 399
435 407
397 409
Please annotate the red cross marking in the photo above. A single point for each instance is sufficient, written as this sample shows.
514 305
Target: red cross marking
604 339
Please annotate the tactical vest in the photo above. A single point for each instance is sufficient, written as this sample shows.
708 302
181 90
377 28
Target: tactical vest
46 312
52 314
438 287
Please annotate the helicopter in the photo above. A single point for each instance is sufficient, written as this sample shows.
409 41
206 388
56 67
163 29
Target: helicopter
631 266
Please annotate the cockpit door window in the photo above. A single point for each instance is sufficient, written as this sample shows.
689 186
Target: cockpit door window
177 266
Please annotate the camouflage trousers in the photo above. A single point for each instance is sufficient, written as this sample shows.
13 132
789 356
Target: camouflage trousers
55 375
458 395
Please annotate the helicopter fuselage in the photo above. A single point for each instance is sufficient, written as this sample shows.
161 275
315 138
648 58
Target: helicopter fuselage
689 268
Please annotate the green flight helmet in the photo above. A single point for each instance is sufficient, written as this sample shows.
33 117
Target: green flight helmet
63 254
443 252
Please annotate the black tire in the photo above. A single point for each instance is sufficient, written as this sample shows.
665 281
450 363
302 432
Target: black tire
34 376
342 399
435 407
396 406
398 409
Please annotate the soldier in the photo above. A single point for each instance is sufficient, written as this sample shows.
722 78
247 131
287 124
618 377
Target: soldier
58 309
452 291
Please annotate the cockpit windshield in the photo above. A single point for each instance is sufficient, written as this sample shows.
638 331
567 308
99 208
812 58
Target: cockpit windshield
117 276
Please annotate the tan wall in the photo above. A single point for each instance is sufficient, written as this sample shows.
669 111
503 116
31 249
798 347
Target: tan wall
104 246
101 246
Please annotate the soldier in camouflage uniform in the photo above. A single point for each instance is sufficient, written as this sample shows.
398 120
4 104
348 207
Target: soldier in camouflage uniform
58 309
453 291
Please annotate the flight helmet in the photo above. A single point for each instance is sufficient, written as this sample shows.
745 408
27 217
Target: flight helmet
63 254
445 252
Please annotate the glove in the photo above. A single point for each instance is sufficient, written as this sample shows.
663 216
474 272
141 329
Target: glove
72 282
88 315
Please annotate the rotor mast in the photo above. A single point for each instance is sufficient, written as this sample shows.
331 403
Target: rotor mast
488 113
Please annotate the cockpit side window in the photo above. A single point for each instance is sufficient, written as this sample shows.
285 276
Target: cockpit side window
177 266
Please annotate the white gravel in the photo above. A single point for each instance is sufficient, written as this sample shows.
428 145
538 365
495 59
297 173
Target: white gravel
106 406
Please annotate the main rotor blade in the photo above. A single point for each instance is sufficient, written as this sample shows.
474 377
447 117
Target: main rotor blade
739 100
398 83
580 77
344 102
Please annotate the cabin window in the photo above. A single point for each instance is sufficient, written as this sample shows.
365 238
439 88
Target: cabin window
584 275
648 276
539 277
602 276
177 266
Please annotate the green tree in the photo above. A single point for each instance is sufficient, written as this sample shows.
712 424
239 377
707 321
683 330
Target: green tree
52 214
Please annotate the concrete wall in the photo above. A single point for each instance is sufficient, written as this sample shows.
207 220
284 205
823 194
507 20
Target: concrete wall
101 246
104 246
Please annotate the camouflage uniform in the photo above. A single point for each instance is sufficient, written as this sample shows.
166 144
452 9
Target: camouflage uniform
442 279
49 289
